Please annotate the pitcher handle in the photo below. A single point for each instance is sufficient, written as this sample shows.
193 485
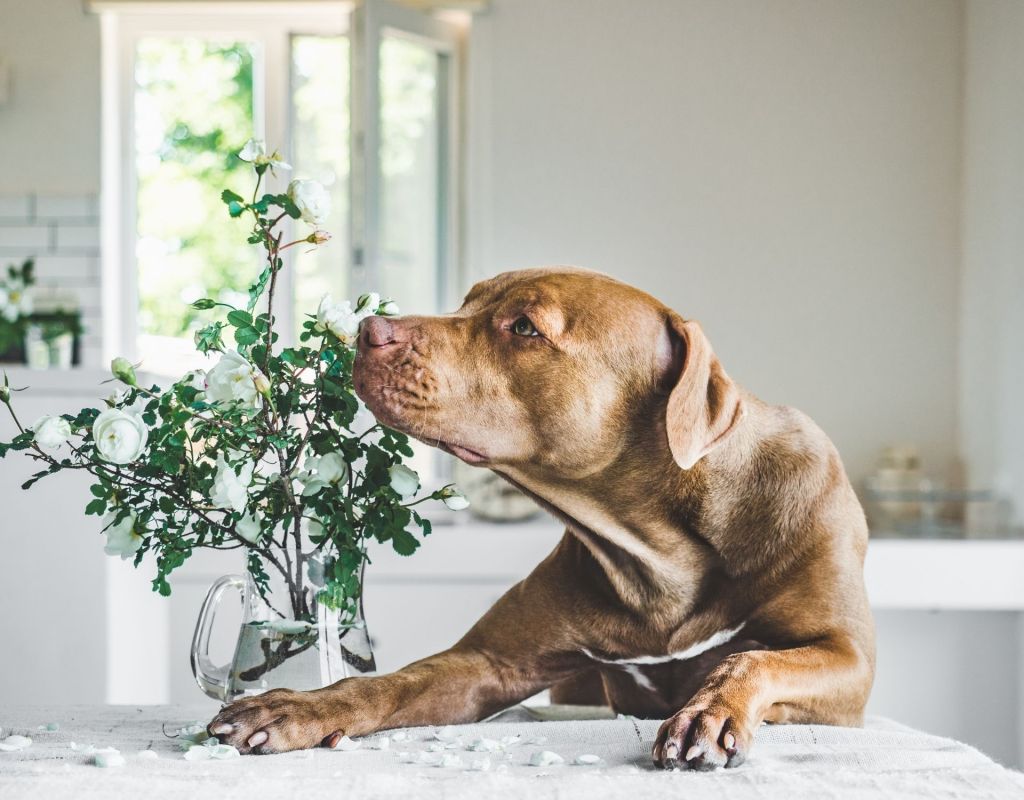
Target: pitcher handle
212 679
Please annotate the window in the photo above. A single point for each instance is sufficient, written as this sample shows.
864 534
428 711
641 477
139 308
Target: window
183 88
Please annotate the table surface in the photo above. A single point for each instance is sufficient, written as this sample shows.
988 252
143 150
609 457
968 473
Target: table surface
882 760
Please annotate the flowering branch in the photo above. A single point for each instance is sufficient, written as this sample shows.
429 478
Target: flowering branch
269 450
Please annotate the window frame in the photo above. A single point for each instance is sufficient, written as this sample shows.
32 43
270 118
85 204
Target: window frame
263 24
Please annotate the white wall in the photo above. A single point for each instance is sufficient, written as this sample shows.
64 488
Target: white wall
50 126
992 281
786 172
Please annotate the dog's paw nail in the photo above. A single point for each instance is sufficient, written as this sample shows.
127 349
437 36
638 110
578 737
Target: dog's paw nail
693 752
258 738
332 740
729 741
224 727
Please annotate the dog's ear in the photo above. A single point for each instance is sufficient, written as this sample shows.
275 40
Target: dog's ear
704 405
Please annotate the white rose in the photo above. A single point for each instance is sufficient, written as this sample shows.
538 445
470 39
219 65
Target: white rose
231 488
122 538
368 304
255 152
404 480
323 471
51 432
233 380
332 468
312 200
120 435
248 527
389 309
338 318
455 500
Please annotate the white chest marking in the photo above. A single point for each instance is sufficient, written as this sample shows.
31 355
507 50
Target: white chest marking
632 665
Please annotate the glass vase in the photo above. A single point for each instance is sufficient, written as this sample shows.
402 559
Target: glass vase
288 639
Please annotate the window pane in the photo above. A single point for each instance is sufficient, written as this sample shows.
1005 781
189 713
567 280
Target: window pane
193 113
320 150
410 202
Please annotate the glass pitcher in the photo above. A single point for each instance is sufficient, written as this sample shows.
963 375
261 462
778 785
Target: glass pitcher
287 639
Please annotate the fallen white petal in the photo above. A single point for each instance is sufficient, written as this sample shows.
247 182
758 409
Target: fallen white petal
446 734
198 753
223 751
399 736
587 759
379 743
423 757
15 742
406 757
436 747
538 740
545 758
346 744
480 764
50 727
515 739
193 733
485 746
147 755
450 760
108 757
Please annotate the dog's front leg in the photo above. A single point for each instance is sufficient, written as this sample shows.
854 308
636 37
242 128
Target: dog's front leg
824 682
458 685
517 649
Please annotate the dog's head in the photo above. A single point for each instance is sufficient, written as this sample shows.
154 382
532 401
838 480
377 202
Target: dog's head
557 370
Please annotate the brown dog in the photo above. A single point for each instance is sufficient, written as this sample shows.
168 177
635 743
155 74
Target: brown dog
711 570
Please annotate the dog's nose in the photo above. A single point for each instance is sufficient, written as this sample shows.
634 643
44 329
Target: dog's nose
376 332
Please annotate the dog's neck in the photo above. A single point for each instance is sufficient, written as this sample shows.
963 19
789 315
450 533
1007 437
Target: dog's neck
644 519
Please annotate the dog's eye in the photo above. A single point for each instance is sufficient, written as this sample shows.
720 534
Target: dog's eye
523 327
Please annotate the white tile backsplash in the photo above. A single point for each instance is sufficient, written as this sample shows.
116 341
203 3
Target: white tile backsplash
79 238
62 234
21 238
68 270
82 208
15 206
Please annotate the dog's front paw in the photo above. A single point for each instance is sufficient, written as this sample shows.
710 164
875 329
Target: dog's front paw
276 722
702 737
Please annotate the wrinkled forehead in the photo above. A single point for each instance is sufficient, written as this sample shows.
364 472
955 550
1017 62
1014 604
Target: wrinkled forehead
568 299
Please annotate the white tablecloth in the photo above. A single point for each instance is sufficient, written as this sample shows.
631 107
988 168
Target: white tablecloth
883 760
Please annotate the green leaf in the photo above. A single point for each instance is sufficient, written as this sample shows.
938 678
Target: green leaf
405 543
240 319
246 336
235 209
257 288
229 197
209 338
97 507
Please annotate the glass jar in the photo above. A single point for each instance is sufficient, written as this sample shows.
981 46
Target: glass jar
288 639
